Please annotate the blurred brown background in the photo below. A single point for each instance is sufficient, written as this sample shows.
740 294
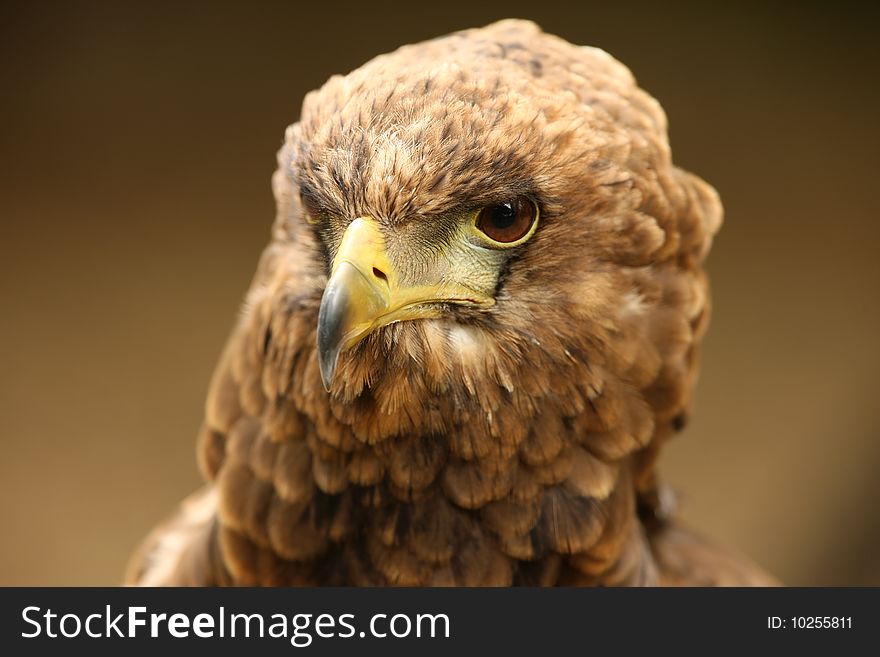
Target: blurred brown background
138 143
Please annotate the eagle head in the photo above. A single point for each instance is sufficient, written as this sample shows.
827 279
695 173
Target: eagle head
495 221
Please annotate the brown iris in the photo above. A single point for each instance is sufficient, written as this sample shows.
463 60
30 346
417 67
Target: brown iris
509 221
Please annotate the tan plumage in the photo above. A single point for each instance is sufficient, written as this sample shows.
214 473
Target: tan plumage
507 438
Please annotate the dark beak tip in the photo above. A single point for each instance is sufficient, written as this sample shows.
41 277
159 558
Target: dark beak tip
328 366
329 338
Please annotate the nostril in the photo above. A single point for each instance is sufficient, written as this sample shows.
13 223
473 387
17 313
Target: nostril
378 273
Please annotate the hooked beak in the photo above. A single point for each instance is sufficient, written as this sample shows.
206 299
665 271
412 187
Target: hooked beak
365 292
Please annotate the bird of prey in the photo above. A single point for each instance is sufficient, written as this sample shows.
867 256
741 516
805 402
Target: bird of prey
476 324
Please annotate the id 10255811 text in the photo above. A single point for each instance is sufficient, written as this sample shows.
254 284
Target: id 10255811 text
809 623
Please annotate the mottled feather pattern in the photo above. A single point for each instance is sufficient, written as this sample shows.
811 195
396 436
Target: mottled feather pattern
511 445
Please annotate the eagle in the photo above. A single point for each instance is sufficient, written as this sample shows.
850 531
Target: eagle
476 324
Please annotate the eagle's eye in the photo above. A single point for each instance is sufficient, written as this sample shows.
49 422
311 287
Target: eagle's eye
311 211
510 222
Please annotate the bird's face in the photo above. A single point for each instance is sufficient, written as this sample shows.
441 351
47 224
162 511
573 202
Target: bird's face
384 274
449 228
473 235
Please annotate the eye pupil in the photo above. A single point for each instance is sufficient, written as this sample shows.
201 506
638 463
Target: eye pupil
503 215
508 222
